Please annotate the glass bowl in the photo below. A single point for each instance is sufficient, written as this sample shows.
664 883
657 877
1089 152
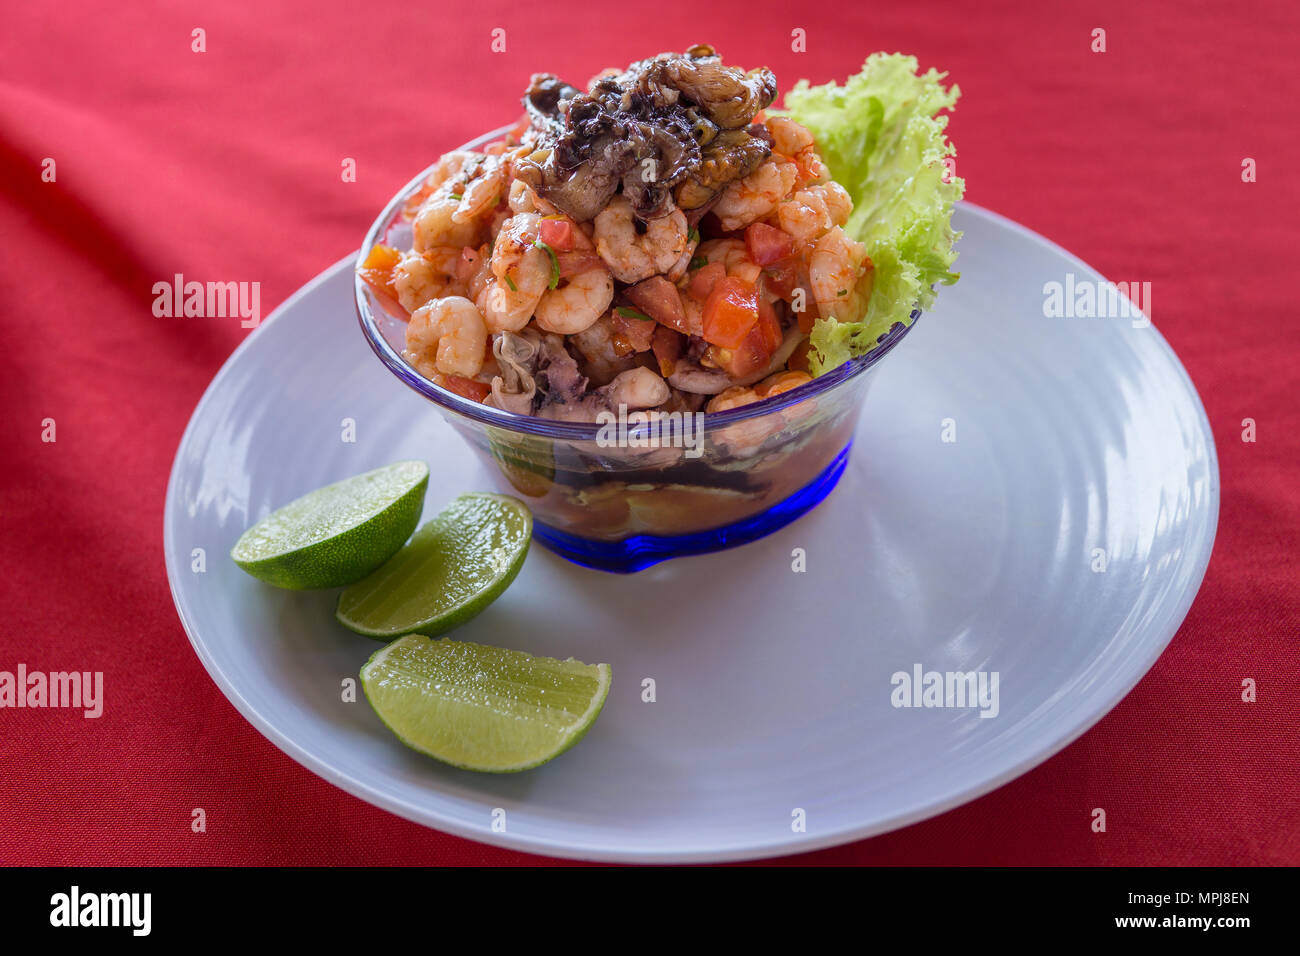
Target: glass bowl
623 498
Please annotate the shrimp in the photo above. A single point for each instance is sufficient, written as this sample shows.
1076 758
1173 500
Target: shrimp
633 257
474 270
446 336
782 382
785 382
602 358
460 208
576 304
451 164
733 397
636 388
433 225
788 136
734 256
750 199
694 312
835 269
687 257
500 217
420 278
773 385
793 140
481 194
515 243
523 198
520 273
811 212
742 439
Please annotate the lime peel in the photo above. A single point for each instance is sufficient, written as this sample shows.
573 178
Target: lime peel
455 566
483 708
338 534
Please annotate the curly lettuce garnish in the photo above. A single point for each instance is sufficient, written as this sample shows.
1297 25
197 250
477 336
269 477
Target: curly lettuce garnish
883 141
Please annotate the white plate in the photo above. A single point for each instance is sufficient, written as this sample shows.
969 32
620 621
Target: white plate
773 688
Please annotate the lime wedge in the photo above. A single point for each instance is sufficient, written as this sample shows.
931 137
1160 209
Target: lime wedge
337 534
483 708
454 567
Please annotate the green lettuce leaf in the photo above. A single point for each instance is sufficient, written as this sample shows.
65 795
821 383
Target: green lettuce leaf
883 141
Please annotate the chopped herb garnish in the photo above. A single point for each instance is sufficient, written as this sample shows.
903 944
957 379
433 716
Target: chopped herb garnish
510 282
457 196
555 264
842 292
632 314
699 262
694 234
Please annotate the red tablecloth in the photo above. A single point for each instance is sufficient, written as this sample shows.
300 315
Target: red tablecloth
226 165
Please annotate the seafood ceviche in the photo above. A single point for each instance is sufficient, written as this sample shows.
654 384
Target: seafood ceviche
665 241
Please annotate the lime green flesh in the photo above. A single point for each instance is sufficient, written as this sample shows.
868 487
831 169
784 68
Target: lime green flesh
483 708
337 534
454 567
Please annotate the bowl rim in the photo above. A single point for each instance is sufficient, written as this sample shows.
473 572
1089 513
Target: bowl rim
572 431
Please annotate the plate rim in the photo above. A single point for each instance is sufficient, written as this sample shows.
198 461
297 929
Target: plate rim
722 853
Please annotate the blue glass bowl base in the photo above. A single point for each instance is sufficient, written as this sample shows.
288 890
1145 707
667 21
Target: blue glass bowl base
638 552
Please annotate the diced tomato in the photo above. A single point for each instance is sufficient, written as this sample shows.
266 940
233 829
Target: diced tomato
632 334
704 279
736 362
768 327
767 244
576 262
730 312
464 387
717 357
668 347
799 357
807 316
557 233
517 131
782 276
377 269
659 299
757 349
